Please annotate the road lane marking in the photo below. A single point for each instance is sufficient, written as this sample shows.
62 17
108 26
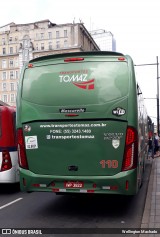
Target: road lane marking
10 203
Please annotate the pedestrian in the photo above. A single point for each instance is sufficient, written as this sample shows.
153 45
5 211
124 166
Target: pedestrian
150 148
156 145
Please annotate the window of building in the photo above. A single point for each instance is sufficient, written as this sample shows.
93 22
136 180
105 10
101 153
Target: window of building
11 74
10 39
16 62
65 44
4 64
42 46
65 33
17 74
50 35
11 63
12 97
4 51
4 86
5 98
3 41
57 34
42 35
57 44
4 75
11 50
50 45
12 86
36 46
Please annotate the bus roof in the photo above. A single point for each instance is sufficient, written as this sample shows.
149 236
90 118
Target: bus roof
88 53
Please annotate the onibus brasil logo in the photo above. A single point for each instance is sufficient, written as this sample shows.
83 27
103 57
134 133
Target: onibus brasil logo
78 80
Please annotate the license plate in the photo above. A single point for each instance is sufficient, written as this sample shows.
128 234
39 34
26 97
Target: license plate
73 184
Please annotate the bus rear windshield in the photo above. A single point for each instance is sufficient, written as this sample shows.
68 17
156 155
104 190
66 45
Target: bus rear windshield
76 83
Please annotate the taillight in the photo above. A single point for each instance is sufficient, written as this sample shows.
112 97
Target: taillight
130 136
131 150
6 161
30 65
121 59
21 150
67 60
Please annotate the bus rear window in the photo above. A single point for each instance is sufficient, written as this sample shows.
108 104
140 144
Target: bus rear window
77 83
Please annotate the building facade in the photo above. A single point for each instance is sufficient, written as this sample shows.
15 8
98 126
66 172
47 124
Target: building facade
20 43
104 39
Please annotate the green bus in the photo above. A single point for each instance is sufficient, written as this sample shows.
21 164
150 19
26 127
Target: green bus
81 124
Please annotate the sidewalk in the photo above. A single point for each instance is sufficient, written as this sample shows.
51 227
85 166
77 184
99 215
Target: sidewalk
151 215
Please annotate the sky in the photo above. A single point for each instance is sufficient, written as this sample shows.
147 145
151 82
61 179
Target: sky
134 24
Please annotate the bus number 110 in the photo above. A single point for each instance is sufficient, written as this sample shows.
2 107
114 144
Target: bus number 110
109 164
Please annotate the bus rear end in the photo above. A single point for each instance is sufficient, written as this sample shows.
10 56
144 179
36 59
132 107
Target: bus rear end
75 134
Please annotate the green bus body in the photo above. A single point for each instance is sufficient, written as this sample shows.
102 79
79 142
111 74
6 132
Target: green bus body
82 125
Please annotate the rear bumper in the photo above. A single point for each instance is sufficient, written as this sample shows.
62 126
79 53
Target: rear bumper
10 176
124 183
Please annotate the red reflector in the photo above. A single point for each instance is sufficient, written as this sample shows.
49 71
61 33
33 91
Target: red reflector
55 189
94 185
52 184
90 191
121 58
113 187
30 65
36 185
71 115
127 184
73 59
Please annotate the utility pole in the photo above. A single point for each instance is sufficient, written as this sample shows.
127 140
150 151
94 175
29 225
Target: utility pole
157 96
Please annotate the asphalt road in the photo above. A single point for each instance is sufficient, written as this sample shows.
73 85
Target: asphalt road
47 210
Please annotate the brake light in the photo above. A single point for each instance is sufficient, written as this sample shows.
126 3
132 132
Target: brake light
121 59
130 136
131 150
21 150
67 60
6 161
30 65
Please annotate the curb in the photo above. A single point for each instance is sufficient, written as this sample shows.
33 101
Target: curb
147 209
